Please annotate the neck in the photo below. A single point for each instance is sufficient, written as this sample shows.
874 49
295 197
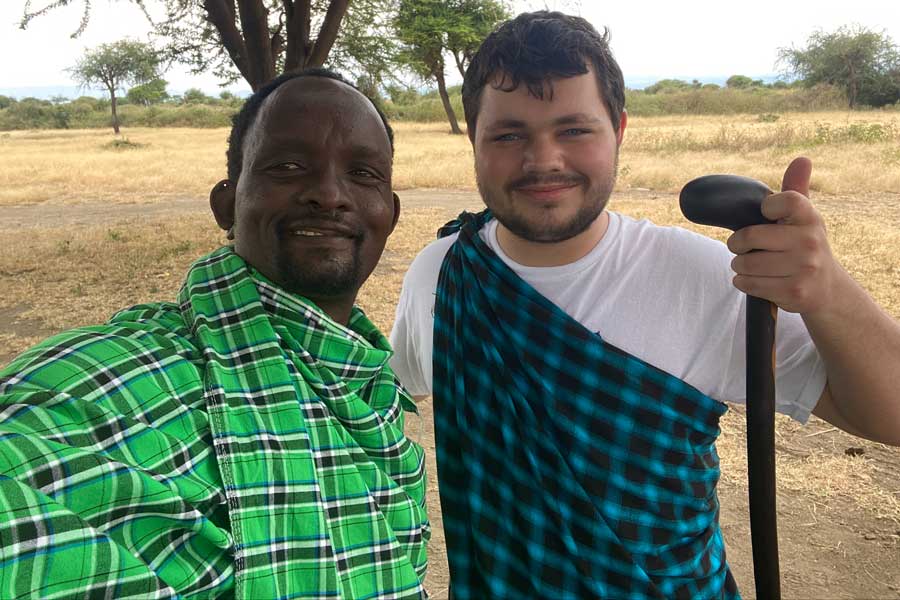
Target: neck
338 310
555 254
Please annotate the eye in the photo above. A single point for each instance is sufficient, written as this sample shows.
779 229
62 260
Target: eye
575 131
507 137
286 167
366 175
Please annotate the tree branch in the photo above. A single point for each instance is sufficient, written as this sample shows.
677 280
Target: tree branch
328 34
298 18
255 25
221 15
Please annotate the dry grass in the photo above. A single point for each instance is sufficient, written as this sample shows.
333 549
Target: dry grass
852 153
60 277
82 166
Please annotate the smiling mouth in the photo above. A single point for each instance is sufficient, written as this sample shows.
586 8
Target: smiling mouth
317 230
543 189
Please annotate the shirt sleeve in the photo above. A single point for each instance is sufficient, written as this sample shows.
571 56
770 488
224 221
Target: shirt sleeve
412 336
406 341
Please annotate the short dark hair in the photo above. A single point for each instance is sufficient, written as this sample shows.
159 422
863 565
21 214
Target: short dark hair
243 120
535 48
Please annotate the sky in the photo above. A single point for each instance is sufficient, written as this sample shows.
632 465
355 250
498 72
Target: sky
651 39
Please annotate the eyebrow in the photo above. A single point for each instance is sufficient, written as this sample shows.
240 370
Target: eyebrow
563 120
358 151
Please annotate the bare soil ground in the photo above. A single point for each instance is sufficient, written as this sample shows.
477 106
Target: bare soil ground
838 497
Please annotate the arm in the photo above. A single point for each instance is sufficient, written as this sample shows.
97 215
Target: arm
859 342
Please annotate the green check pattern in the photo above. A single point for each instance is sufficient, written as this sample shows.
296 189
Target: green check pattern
239 443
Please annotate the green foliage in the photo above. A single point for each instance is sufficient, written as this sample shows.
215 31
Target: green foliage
226 98
742 82
6 102
430 29
665 86
863 63
196 96
228 39
426 108
406 104
115 65
146 94
756 100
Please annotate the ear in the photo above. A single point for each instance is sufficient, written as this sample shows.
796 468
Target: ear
221 201
396 210
623 121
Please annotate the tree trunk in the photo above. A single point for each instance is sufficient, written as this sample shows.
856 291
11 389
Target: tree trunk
852 85
115 116
445 99
254 18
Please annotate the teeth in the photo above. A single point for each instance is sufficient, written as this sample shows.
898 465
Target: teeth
307 233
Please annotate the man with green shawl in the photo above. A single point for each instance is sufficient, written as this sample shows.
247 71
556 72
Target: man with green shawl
246 441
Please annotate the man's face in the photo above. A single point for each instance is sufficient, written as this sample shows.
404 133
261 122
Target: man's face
314 206
546 168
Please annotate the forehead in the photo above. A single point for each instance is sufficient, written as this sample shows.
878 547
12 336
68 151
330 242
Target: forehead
562 96
316 110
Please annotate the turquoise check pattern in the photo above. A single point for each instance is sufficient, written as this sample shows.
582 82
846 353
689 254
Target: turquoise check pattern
568 469
239 443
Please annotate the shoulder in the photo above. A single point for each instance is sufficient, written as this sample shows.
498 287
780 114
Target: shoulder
423 272
644 235
653 247
143 338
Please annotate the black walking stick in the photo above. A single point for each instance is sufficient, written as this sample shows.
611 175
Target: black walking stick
734 202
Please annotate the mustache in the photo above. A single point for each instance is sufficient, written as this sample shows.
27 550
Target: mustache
532 179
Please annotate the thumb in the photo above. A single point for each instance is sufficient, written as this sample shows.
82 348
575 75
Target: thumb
796 177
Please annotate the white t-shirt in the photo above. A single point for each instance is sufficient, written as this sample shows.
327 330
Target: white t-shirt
662 294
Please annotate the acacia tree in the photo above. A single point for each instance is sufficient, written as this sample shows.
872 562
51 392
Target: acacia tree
115 66
477 18
430 29
864 63
258 39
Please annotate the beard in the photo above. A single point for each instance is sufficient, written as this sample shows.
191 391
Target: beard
326 275
532 226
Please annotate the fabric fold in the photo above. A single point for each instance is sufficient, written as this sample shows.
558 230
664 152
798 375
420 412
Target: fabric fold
240 443
567 467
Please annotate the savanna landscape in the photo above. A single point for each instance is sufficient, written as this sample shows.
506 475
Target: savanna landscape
91 222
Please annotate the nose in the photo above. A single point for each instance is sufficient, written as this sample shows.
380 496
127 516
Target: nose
324 190
542 155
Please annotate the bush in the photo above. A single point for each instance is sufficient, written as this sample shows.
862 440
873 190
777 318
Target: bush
427 108
753 100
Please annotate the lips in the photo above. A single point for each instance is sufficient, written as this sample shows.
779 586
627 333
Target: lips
546 192
316 230
543 189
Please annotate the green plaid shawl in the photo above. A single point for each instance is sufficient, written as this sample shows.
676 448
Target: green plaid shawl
240 443
568 469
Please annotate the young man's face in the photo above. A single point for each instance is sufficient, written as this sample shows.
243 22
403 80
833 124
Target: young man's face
546 168
314 205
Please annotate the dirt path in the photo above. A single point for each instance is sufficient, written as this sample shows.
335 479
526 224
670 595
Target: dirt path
17 217
830 547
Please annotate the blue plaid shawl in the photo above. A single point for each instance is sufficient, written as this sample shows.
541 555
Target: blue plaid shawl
567 467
